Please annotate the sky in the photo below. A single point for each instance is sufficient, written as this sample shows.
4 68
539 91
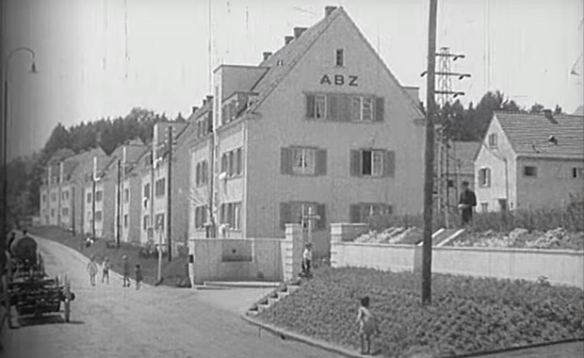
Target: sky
100 58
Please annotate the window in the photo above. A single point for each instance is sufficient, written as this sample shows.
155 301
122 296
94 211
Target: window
530 171
238 162
65 195
371 163
53 196
52 212
320 106
146 222
577 173
230 213
296 212
159 224
202 173
362 109
43 198
98 216
125 220
159 187
493 140
485 177
200 216
126 195
89 197
224 163
98 196
340 57
65 211
303 161
147 191
363 212
231 162
485 207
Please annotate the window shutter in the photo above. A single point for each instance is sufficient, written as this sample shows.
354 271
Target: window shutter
231 163
379 109
389 163
355 163
320 162
333 107
355 213
310 106
286 161
224 163
321 212
285 215
345 108
239 163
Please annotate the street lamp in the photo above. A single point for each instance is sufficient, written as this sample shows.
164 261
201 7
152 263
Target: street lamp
5 149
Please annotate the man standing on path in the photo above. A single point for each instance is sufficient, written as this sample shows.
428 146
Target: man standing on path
92 269
126 271
105 270
466 203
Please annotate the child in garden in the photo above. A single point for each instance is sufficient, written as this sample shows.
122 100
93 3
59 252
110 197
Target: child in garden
367 325
92 269
138 277
306 260
105 270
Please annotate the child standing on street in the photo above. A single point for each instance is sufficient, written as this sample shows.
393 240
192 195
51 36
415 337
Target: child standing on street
367 325
138 277
92 269
126 271
105 270
306 260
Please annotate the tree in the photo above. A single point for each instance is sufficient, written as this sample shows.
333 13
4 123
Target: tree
536 108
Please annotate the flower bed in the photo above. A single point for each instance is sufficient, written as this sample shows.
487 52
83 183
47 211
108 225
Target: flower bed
467 314
522 238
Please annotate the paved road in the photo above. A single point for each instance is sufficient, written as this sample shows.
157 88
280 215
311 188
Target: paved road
112 321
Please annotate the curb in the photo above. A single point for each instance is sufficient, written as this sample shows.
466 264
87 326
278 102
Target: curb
285 334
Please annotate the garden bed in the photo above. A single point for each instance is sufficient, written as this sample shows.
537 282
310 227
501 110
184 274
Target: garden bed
174 273
466 315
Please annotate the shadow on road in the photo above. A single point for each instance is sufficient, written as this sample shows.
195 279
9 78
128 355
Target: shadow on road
44 320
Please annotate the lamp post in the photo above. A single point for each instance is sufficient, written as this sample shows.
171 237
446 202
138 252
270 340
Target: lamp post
3 242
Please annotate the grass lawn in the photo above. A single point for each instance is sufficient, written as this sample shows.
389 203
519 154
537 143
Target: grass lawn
466 315
172 272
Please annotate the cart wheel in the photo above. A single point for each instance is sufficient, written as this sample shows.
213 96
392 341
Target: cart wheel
67 300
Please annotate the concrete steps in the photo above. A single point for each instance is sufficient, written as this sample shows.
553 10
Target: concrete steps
271 299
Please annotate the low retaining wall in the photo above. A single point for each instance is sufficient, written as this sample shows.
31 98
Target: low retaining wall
246 259
562 267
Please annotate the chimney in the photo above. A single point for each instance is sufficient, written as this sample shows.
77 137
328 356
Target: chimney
298 32
267 55
288 39
195 109
329 10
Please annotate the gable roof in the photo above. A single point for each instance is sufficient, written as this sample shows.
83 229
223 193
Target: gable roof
529 134
464 155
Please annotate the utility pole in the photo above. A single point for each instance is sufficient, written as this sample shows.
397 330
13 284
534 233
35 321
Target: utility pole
429 159
444 135
169 195
93 197
119 203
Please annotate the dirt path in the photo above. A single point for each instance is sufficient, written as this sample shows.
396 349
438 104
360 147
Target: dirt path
112 321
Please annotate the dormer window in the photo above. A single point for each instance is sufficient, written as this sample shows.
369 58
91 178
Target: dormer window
340 58
280 63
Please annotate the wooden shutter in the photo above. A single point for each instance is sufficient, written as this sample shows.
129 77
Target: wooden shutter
389 163
310 106
379 109
332 102
286 161
224 163
355 163
321 212
285 215
320 155
355 213
239 166
197 175
345 108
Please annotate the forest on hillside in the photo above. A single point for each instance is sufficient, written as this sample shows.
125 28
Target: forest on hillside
25 174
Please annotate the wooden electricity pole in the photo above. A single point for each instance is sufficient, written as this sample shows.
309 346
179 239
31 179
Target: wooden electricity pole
169 195
429 158
119 211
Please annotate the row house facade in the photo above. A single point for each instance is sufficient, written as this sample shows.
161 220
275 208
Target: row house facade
321 124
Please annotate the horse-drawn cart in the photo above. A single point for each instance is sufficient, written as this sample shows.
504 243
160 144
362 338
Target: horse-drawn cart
28 289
